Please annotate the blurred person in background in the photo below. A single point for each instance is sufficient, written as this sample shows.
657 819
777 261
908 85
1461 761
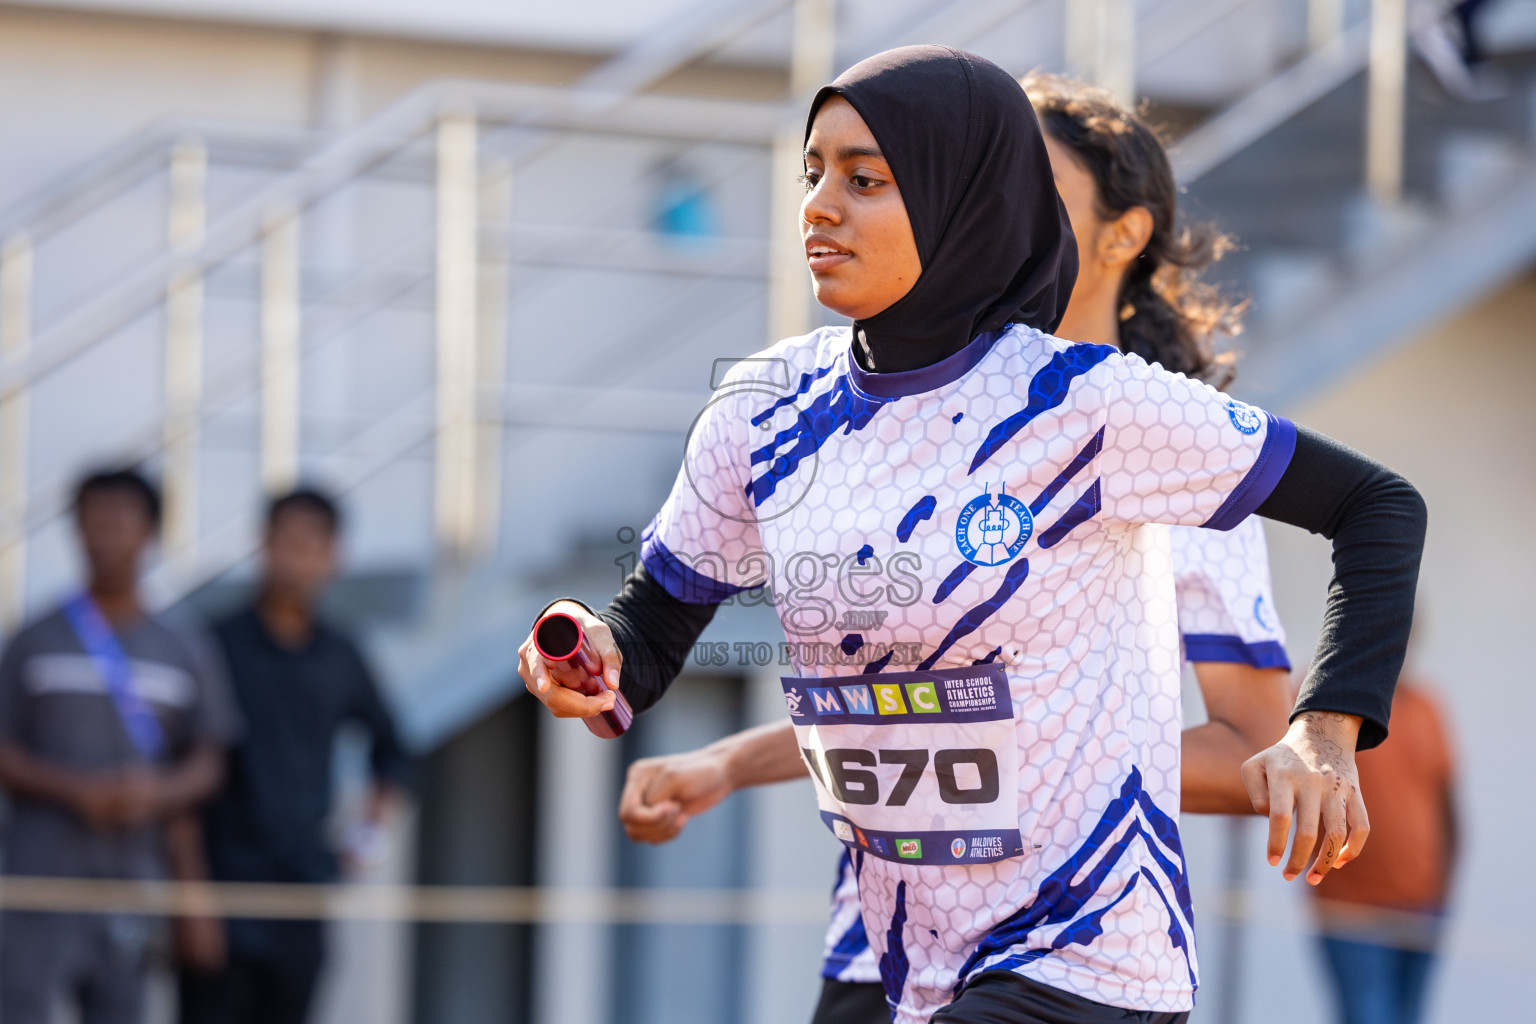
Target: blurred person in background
113 722
1380 923
297 680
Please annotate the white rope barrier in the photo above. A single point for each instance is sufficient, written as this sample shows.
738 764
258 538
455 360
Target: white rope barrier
469 904
485 904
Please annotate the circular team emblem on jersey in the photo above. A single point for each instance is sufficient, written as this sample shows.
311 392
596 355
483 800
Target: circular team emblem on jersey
1244 417
992 529
957 847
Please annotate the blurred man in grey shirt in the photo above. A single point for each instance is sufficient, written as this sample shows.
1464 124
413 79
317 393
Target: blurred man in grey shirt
113 722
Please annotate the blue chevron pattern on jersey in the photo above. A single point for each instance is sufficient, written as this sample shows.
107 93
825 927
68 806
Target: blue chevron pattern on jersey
806 380
894 964
1017 573
953 580
1047 390
916 514
1061 902
1090 450
840 406
1082 510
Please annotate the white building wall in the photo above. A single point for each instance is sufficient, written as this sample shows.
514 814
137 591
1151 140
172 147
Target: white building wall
593 24
83 83
80 83
75 84
1201 52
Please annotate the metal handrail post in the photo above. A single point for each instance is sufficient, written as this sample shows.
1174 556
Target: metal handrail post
811 66
457 274
492 301
280 327
1325 23
1118 50
15 339
1385 112
1100 45
184 347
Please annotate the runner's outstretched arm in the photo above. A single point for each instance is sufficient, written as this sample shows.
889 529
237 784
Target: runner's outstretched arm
1376 521
661 794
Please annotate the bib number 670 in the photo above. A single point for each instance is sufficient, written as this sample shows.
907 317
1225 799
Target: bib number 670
849 778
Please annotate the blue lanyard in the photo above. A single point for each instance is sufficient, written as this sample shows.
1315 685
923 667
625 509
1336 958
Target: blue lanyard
101 646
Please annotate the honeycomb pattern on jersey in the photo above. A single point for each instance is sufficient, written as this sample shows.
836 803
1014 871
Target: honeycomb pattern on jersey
1224 583
1221 586
1098 447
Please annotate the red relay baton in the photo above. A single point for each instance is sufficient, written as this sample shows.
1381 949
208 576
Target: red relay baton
573 664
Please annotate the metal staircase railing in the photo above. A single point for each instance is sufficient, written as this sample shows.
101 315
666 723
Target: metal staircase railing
1272 104
444 121
267 219
104 177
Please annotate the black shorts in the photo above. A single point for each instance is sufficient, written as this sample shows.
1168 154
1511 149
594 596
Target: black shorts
848 1002
1002 997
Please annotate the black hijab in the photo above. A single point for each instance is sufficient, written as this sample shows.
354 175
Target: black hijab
993 237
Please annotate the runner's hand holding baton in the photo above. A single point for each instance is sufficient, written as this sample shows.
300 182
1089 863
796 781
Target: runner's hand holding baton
571 664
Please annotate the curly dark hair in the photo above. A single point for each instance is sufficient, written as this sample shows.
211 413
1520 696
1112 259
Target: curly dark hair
1168 315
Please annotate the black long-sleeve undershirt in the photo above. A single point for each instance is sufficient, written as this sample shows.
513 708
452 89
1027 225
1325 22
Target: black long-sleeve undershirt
655 633
1375 519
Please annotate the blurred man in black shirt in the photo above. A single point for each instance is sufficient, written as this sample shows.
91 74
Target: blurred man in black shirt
298 681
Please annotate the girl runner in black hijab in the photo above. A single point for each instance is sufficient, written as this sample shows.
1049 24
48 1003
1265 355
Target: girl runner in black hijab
1138 288
930 279
960 139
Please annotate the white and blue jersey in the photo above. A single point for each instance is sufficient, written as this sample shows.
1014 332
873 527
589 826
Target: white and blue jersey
847 956
1226 613
1226 606
982 652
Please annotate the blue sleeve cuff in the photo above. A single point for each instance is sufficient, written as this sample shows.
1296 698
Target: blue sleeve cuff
680 579
1234 650
1268 468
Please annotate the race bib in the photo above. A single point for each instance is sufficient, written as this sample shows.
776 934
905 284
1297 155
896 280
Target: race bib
914 767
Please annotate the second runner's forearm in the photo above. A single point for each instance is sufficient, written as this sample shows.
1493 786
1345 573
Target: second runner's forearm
1210 775
760 756
1246 708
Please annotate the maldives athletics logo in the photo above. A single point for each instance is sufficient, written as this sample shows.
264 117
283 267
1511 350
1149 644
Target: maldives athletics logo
993 528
